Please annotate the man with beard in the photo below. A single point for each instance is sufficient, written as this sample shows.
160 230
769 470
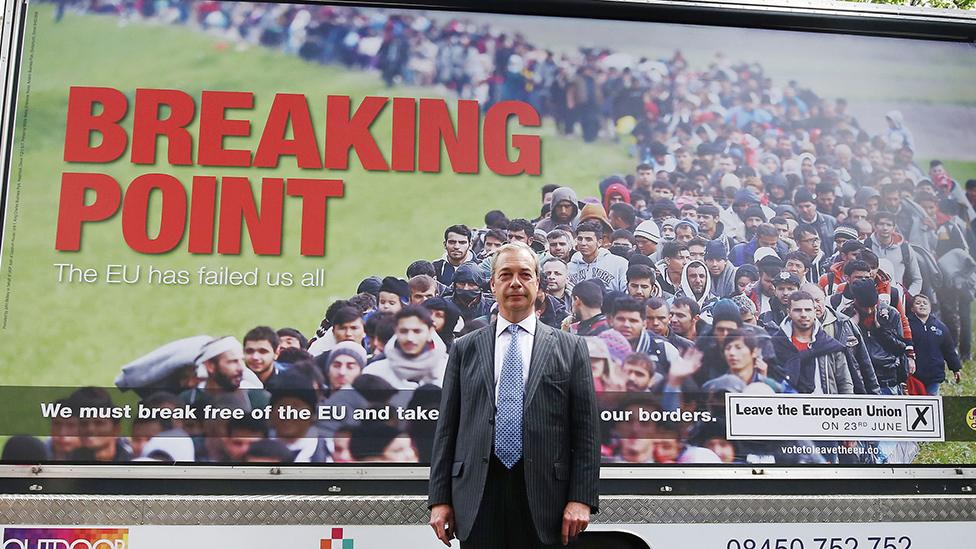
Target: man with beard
809 360
565 210
223 361
697 285
641 282
881 326
640 373
415 356
763 292
840 327
467 296
560 244
554 280
457 251
888 244
721 271
685 315
628 319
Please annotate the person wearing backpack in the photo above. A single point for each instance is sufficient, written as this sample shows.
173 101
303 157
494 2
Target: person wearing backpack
888 244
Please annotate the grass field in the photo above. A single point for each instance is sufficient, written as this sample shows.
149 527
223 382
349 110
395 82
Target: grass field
80 334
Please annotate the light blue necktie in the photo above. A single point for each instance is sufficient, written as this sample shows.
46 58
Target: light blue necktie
508 411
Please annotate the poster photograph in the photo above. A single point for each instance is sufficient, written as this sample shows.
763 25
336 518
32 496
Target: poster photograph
244 232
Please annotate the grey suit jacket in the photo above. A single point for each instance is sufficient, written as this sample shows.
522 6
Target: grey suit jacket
560 429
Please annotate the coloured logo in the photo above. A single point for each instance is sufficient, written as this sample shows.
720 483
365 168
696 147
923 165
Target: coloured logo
971 418
65 538
336 541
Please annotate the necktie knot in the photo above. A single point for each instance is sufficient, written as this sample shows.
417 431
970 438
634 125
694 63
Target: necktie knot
513 329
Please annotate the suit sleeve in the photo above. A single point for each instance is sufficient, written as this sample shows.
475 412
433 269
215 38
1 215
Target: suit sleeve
585 476
445 435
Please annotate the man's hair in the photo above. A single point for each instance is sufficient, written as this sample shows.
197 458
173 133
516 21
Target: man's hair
737 334
640 272
591 226
624 211
548 188
767 230
421 283
498 234
496 219
623 233
824 188
523 225
856 265
550 259
262 333
879 215
663 185
628 304
421 267
513 247
376 322
655 303
416 311
292 332
91 397
803 229
684 301
801 257
457 229
590 293
673 249
363 301
559 233
644 167
640 359
698 241
870 258
778 220
799 295
346 315
708 209
331 311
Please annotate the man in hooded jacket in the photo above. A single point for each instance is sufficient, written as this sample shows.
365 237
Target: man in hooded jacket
565 210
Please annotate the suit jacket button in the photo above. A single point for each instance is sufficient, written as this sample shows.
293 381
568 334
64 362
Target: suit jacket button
484 460
491 421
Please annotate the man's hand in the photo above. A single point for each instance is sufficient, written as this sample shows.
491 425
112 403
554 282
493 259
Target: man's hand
911 365
576 517
442 521
958 376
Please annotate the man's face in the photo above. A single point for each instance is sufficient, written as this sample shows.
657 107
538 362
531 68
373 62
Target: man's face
809 244
547 198
658 321
628 323
768 284
518 236
645 178
587 244
937 171
826 201
560 247
768 241
722 329
738 355
554 274
930 208
684 234
797 268
716 265
638 377
857 214
662 193
350 331
752 222
343 370
291 429
818 304
639 288
742 284
884 228
892 200
697 278
860 275
677 264
783 229
726 164
259 356
238 443
419 296
492 243
783 292
412 335
288 342
681 320
684 161
388 302
227 369
98 435
706 222
921 307
690 213
803 314
515 284
615 198
563 211
64 434
400 450
645 246
457 246
807 210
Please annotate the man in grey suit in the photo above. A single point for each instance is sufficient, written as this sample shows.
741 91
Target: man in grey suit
516 458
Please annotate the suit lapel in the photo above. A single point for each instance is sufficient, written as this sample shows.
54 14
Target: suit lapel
541 357
485 347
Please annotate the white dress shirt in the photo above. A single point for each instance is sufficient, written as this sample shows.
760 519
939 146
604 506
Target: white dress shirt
502 340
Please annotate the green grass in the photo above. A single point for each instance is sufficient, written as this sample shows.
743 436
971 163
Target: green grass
78 334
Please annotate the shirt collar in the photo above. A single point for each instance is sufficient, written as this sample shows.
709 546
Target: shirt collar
528 324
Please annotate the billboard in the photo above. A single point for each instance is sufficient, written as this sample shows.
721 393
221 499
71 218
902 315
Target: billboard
216 213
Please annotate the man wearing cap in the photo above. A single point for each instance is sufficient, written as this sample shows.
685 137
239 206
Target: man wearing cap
785 284
457 250
720 269
222 360
808 359
393 292
647 234
881 326
565 210
806 207
467 295
517 441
